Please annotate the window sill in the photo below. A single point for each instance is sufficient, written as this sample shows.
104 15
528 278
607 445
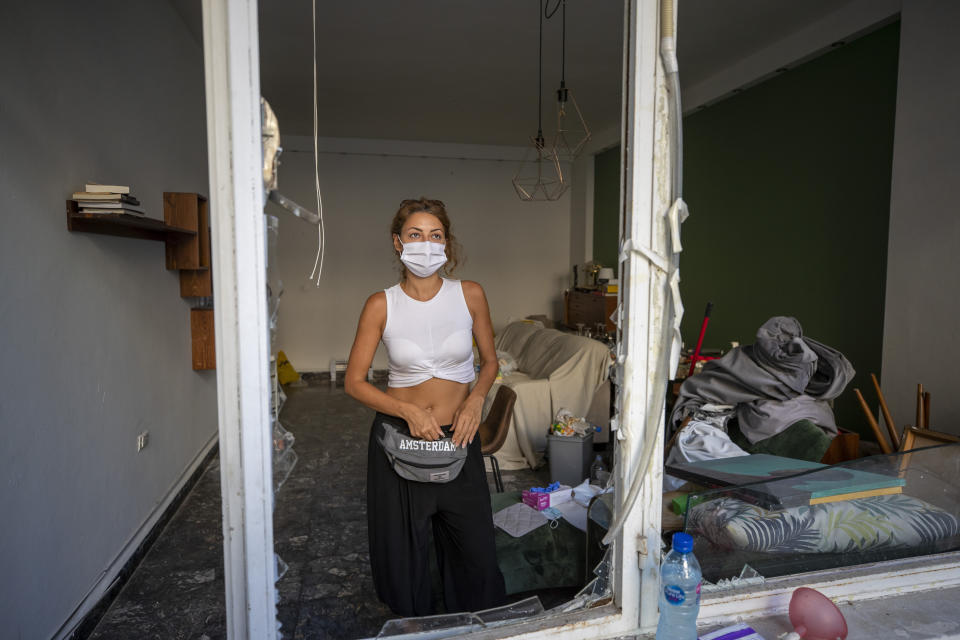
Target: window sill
869 596
576 624
908 616
843 584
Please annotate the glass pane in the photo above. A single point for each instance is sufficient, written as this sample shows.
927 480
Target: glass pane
867 510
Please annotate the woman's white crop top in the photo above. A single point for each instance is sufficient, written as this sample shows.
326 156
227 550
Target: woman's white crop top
429 339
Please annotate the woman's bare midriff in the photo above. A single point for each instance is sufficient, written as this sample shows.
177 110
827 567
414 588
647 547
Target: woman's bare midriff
442 398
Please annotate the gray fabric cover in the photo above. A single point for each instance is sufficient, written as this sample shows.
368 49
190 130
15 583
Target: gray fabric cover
555 370
781 379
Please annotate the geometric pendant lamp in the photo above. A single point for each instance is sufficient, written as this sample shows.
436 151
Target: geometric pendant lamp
540 176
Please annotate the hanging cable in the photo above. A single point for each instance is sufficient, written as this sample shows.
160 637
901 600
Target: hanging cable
540 176
540 82
321 232
563 45
562 91
563 51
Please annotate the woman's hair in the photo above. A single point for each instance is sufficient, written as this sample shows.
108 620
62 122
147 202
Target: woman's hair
434 208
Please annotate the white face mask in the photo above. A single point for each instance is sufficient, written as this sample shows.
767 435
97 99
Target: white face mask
423 258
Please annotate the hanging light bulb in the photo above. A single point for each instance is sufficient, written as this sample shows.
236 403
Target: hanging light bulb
572 130
540 176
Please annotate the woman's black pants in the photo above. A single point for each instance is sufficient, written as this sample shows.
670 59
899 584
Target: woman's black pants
400 515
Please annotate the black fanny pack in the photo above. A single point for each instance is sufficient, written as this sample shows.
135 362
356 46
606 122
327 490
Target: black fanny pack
421 460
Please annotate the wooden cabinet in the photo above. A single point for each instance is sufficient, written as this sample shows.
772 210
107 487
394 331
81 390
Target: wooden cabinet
588 308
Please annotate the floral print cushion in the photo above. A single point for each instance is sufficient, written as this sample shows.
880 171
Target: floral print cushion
879 522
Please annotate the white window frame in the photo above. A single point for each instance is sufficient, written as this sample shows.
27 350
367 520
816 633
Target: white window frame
232 72
231 56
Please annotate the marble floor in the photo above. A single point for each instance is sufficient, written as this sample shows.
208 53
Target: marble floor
319 530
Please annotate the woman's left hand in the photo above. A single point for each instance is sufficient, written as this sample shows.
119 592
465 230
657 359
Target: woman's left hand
466 420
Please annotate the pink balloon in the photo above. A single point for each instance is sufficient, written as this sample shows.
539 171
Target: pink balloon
815 617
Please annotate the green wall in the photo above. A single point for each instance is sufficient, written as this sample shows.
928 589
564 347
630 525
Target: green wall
606 207
788 184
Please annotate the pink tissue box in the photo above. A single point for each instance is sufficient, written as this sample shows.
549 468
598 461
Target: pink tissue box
541 501
538 501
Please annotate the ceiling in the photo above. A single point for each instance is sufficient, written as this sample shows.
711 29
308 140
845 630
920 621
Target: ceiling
444 71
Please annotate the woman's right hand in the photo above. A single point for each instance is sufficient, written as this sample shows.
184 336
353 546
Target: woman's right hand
422 424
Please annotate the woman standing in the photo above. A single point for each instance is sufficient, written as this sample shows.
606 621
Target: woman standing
428 325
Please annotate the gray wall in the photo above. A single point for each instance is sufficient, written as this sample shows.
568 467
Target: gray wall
93 334
921 338
518 251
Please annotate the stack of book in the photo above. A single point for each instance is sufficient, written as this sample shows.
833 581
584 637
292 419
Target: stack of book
774 482
105 199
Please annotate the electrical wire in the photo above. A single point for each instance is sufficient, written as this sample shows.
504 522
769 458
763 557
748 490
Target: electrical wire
549 14
321 231
540 81
563 45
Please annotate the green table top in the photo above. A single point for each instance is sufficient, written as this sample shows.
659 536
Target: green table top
542 559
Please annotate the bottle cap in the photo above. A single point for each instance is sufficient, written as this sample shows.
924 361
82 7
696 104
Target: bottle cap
682 542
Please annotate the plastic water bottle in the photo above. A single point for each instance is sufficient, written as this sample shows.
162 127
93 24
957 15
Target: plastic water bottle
597 471
680 581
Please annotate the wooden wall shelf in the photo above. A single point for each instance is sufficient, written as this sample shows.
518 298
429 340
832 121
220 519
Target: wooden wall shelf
124 225
192 256
186 231
202 340
187 211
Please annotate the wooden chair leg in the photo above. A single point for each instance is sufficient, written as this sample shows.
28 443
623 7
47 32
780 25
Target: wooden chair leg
887 418
919 419
497 478
881 440
926 409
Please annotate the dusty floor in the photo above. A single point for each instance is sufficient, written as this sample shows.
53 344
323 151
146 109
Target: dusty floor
319 530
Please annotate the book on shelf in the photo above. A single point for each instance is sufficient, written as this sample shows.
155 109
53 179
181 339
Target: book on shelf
93 187
136 211
771 481
104 197
100 212
109 204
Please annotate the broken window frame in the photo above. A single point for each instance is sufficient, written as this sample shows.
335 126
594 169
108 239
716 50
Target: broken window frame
231 60
232 76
